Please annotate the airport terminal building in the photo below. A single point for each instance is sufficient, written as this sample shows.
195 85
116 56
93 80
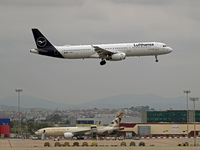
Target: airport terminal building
170 123
170 116
104 120
159 129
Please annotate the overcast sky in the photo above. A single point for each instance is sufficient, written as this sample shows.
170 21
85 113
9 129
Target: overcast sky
174 22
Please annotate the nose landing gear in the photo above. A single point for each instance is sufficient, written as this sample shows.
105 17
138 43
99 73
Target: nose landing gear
156 58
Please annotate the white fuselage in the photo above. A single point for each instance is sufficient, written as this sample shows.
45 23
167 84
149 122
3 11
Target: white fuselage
59 131
130 49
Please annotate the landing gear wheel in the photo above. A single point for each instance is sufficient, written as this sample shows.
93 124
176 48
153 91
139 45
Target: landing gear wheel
156 58
103 62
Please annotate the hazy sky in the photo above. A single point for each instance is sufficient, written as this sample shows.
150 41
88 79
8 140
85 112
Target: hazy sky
174 22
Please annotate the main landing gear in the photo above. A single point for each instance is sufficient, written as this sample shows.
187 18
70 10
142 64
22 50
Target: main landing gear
156 58
103 62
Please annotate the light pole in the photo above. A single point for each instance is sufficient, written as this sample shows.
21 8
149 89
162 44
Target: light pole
194 99
19 114
187 92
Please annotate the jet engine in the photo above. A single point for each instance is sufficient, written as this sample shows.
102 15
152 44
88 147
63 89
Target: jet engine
68 135
116 57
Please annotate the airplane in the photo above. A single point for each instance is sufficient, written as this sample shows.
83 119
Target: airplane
110 52
69 132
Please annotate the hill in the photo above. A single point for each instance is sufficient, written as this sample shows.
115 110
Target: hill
119 101
129 100
30 102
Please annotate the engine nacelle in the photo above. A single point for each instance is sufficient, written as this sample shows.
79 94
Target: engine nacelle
116 57
68 135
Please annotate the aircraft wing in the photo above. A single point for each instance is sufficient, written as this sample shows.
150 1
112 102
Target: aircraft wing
81 132
103 52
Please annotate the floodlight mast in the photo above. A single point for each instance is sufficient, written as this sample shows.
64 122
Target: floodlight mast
194 99
187 92
19 114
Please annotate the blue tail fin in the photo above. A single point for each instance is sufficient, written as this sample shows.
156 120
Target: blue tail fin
43 44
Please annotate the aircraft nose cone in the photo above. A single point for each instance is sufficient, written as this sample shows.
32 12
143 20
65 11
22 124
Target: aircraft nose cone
37 132
170 49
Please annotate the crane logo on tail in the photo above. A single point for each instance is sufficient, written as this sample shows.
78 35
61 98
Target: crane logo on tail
41 42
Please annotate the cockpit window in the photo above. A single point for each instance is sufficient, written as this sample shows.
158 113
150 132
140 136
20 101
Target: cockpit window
164 45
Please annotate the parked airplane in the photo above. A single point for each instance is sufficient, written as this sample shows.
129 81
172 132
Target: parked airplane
69 132
111 52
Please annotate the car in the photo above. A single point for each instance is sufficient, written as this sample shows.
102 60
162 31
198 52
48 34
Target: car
35 138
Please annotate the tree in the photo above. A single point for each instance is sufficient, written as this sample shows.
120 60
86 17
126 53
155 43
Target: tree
54 118
67 122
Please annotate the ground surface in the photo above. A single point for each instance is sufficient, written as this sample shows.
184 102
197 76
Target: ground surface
158 144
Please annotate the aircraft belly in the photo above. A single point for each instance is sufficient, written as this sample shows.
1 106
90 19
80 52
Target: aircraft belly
55 134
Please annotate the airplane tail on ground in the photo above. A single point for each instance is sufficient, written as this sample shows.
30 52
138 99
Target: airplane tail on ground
44 47
116 121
